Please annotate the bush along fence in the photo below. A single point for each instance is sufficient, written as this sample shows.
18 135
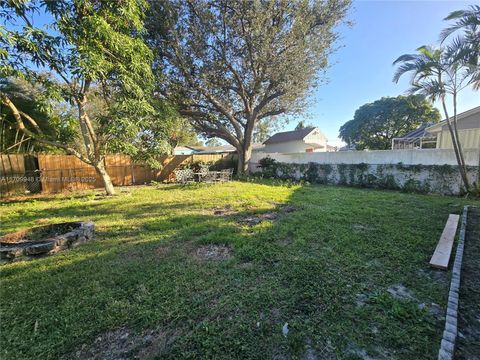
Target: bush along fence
440 179
28 174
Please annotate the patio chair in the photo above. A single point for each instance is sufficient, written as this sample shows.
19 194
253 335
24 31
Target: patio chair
184 176
203 174
228 174
210 177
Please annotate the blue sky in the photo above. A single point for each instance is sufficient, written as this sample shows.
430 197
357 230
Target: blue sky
362 69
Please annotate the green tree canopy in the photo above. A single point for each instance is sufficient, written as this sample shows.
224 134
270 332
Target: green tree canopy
302 124
465 40
213 142
53 118
374 125
181 132
228 64
95 51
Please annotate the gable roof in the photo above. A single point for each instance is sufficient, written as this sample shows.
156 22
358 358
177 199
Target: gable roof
417 133
463 115
289 136
213 149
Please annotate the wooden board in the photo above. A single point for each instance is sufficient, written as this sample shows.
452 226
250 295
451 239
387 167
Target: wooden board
441 256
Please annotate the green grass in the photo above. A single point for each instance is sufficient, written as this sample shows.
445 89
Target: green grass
305 268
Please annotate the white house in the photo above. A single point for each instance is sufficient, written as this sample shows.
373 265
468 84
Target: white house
468 124
438 135
221 149
303 140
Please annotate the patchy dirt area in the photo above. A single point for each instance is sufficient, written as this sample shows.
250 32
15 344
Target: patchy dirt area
400 292
162 251
214 252
255 219
468 340
223 211
123 344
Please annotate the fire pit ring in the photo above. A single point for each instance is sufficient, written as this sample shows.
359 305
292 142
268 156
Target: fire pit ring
44 240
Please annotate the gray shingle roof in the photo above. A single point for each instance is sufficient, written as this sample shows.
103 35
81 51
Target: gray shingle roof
418 132
289 136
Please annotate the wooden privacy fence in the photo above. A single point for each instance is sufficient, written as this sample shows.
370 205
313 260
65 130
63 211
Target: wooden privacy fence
21 174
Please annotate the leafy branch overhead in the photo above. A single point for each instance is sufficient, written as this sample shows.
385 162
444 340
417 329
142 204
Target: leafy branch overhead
98 63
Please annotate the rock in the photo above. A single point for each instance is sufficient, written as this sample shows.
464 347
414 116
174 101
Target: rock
10 252
285 329
45 239
400 292
310 354
61 241
361 299
71 237
40 248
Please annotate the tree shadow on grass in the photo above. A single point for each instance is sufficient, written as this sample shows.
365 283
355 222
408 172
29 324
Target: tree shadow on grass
305 267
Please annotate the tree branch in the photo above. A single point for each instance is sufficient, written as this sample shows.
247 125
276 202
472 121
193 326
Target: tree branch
21 126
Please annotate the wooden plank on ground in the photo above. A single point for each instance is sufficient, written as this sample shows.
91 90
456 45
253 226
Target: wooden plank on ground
441 256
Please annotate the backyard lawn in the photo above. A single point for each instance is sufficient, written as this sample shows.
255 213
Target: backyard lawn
216 271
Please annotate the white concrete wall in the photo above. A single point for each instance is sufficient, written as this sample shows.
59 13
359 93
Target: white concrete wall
392 169
406 157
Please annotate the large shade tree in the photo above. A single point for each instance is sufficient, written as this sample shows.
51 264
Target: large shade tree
94 49
229 64
374 125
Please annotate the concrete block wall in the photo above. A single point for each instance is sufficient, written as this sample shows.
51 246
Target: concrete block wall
427 170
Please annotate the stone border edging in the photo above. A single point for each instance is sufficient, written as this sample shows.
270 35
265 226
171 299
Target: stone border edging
447 346
13 251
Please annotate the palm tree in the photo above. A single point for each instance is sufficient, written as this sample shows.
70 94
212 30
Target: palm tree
465 47
436 75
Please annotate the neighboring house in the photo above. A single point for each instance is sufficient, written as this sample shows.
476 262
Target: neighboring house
468 124
184 150
303 140
222 149
351 147
331 148
438 135
415 139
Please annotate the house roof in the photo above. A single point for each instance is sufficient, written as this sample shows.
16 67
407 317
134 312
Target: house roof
289 136
213 149
417 133
182 148
463 115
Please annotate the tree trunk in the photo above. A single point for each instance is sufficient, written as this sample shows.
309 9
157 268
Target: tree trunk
107 182
241 161
244 155
461 167
455 129
246 146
